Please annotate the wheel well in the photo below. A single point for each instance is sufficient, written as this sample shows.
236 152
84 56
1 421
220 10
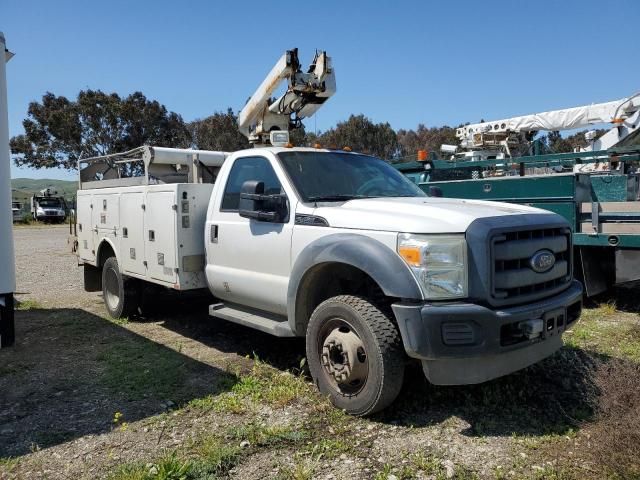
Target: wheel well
105 250
330 279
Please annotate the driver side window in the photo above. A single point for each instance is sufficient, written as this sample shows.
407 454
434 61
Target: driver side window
244 169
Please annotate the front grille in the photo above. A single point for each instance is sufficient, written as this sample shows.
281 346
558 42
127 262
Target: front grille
514 280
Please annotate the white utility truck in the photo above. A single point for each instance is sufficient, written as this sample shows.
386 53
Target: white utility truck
47 206
333 246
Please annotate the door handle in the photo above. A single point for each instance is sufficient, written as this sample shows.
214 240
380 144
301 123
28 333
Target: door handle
214 234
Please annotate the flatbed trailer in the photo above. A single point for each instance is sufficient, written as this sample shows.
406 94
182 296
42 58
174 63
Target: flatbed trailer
602 206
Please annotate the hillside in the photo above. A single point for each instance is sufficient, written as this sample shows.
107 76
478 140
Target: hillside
23 188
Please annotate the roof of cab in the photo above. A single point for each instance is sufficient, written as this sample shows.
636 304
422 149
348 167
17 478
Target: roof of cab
295 149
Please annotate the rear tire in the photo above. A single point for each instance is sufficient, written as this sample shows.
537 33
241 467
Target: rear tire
121 294
355 354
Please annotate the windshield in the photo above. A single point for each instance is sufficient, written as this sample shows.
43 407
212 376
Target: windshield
49 203
336 176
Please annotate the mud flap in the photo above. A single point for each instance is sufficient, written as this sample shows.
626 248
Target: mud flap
627 265
92 278
596 269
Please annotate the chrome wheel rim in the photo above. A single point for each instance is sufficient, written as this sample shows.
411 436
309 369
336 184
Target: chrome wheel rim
112 290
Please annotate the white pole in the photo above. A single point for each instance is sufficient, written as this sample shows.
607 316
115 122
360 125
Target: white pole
7 259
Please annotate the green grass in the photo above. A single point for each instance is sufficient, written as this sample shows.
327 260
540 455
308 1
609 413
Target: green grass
261 435
263 384
209 458
7 464
302 468
227 402
269 385
140 369
331 447
25 305
607 331
168 467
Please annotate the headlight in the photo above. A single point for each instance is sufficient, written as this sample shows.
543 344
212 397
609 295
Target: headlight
439 263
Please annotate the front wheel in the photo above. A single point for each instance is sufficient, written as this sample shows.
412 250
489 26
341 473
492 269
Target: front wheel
355 354
121 294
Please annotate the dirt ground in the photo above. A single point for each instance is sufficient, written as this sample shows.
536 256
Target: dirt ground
82 396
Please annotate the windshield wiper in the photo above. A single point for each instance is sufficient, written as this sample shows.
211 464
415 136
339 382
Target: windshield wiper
335 198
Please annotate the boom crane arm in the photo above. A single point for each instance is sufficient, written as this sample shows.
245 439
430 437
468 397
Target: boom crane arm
623 114
305 94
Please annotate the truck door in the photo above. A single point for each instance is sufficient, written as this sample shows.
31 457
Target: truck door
249 261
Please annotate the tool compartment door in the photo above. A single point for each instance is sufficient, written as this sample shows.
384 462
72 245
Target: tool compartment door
160 236
86 249
132 230
105 213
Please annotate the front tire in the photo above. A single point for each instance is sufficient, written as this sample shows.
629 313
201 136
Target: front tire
121 294
355 354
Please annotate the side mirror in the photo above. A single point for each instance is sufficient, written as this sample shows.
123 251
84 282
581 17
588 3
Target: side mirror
255 204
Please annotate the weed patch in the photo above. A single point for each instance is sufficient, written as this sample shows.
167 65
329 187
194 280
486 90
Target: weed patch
8 464
228 402
600 333
262 435
25 305
263 384
301 469
266 384
208 459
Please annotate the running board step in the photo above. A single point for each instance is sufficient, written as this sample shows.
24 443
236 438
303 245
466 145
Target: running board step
265 322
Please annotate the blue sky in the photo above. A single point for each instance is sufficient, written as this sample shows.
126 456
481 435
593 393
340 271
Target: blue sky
405 62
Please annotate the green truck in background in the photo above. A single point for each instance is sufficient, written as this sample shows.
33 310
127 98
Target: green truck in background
602 206
596 188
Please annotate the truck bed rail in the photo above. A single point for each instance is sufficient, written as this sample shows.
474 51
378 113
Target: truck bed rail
149 165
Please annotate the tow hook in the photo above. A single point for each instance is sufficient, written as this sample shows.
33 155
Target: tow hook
531 328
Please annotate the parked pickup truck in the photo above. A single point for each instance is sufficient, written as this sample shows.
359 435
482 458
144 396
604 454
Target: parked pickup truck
339 248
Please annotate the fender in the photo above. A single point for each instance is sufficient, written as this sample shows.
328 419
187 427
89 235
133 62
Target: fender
109 242
374 258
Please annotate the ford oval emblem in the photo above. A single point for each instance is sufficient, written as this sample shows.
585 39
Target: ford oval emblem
542 261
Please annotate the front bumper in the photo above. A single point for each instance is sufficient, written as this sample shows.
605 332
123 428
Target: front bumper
50 218
464 343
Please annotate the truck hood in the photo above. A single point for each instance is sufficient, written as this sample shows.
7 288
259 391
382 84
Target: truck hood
416 214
